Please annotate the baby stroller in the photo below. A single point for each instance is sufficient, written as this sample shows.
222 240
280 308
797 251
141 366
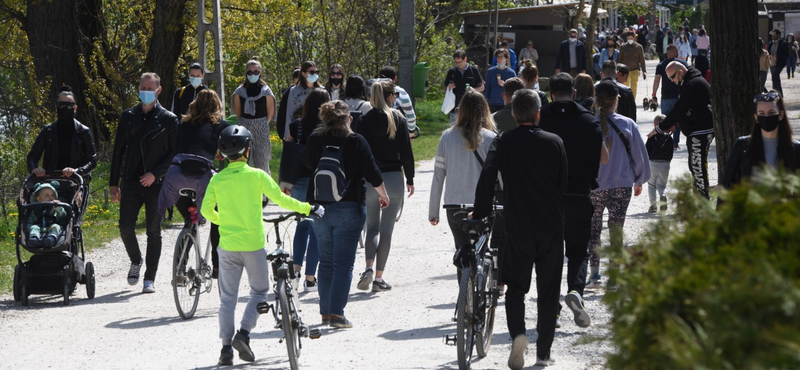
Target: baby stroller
56 268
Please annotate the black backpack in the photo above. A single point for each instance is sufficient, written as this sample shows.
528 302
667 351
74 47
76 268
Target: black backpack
330 181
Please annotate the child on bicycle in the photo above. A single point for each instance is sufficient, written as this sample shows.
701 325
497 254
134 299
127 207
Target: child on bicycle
44 227
236 192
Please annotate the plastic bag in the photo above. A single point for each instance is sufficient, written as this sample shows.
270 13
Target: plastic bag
449 101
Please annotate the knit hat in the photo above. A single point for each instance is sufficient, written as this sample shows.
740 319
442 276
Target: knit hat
606 88
44 185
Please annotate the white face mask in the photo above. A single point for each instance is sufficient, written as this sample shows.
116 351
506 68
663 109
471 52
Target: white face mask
630 42
573 39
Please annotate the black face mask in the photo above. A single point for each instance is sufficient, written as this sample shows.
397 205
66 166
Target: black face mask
65 114
769 123
336 81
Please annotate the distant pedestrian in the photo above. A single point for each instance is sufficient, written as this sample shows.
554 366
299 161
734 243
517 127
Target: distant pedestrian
495 78
307 81
284 94
511 61
528 53
571 55
791 63
631 54
186 94
458 78
626 105
669 90
335 84
503 118
356 97
763 64
584 91
529 74
403 102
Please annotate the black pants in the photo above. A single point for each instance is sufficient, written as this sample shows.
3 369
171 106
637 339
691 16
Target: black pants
698 146
183 205
134 196
578 213
776 78
546 251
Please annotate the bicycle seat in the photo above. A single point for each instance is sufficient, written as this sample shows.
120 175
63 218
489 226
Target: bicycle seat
474 225
277 254
187 192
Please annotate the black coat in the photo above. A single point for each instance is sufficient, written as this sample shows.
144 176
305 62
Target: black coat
782 54
562 59
660 42
739 167
83 156
155 148
693 108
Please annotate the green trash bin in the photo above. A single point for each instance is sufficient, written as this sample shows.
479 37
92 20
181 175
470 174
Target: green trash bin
420 78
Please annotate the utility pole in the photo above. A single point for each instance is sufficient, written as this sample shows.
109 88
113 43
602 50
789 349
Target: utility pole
406 45
215 29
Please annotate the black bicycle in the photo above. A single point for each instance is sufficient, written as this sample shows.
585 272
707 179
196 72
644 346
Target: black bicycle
287 316
191 272
478 288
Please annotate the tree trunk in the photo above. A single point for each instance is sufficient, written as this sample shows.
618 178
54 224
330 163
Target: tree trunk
734 69
166 45
591 32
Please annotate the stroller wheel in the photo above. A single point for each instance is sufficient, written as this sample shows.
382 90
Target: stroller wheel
23 298
17 283
89 280
66 293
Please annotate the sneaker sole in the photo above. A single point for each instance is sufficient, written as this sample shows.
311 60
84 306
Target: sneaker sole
310 289
364 283
378 290
582 318
133 282
517 358
245 353
148 291
540 362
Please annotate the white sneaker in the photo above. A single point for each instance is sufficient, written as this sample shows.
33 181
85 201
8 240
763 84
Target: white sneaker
575 302
545 362
133 273
297 281
518 347
366 280
310 286
149 287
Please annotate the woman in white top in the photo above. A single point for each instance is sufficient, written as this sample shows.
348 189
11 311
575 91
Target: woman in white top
684 49
528 53
355 95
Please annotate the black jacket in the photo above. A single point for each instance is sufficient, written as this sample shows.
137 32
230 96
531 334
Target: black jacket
83 156
660 42
693 108
183 97
282 112
627 102
739 167
660 147
155 148
562 59
782 54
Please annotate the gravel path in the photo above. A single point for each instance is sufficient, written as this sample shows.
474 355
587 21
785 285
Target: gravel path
401 329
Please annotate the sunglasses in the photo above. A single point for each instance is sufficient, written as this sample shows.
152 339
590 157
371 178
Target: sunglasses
673 75
65 104
768 97
396 94
253 73
313 72
337 74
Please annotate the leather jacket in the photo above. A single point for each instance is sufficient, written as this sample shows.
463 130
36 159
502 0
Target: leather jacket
83 156
740 167
152 145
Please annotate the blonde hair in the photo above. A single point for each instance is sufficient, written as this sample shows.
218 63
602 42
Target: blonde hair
473 115
659 118
334 119
205 107
379 92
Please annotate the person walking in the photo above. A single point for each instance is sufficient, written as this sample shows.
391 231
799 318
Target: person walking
282 106
145 142
779 55
571 55
66 144
631 54
703 43
611 52
660 152
580 132
338 231
627 167
769 145
307 81
533 164
529 74
763 64
663 39
529 53
386 133
693 44
459 78
584 91
255 107
511 60
495 78
403 102
694 108
669 90
626 105
186 94
503 118
335 84
791 63
684 49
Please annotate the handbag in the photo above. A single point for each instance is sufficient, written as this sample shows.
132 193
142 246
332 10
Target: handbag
291 156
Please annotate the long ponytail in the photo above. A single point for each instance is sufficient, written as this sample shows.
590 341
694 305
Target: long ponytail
605 106
379 92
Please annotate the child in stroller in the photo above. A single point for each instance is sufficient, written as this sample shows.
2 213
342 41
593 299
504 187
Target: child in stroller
44 225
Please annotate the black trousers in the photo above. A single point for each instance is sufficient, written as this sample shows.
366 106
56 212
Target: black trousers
134 196
546 252
698 147
578 213
183 207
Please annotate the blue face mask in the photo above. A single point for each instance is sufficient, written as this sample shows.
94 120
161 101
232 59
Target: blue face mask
147 97
313 78
195 81
252 79
501 65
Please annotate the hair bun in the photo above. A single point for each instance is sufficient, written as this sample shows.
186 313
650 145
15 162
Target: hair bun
255 57
65 88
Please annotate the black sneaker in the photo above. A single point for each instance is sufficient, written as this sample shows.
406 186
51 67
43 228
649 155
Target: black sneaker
663 204
340 322
242 344
380 286
225 357
653 208
310 286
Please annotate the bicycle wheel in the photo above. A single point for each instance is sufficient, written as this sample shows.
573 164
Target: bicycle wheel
465 335
291 330
185 274
483 339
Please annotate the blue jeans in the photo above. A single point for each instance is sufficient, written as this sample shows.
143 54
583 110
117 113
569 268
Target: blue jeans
304 235
791 64
666 107
337 238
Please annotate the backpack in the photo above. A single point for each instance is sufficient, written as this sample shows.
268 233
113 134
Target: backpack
330 181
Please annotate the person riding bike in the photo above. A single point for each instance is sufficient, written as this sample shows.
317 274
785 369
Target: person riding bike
237 192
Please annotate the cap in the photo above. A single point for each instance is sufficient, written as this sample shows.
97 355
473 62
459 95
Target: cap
606 88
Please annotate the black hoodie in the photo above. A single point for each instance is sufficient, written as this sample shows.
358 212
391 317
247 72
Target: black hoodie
693 109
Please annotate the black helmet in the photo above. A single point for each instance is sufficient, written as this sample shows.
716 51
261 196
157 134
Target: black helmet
234 141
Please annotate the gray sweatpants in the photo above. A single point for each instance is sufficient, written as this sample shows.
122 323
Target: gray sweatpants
380 222
231 265
659 174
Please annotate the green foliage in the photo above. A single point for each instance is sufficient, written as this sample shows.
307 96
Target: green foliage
713 288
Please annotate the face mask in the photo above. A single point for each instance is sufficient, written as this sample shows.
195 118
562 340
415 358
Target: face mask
573 39
630 42
769 123
501 65
252 79
65 114
336 81
313 78
195 81
147 97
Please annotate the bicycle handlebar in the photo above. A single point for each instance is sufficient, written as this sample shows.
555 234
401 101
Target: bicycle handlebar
282 218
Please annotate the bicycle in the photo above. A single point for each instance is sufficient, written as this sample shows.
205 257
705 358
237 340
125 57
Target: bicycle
286 315
478 288
191 274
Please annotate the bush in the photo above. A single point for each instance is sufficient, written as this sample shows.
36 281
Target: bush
713 288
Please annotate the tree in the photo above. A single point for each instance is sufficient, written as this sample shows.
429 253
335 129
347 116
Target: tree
734 65
166 43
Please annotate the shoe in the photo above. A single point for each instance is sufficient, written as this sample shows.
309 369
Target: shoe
575 303
653 208
676 147
49 241
545 362
594 282
225 357
558 321
340 322
310 286
34 242
366 280
133 273
380 286
242 344
297 277
149 287
663 204
516 360
326 319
